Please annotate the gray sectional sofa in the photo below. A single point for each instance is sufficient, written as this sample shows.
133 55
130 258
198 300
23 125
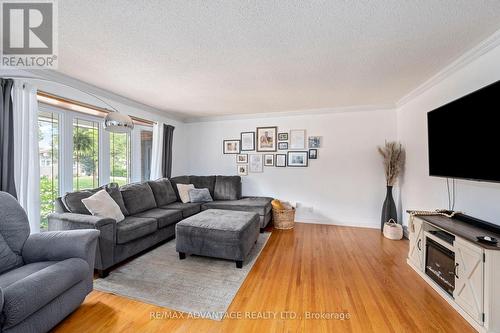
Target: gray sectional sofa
151 210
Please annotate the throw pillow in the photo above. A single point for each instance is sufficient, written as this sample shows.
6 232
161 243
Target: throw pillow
200 195
184 191
101 204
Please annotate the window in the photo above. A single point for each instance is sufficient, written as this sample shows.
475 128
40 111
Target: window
119 147
85 154
146 147
48 142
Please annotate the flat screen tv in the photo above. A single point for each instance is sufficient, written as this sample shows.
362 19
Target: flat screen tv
464 137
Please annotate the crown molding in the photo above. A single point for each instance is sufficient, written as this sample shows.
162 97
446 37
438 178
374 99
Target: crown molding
292 113
468 57
84 86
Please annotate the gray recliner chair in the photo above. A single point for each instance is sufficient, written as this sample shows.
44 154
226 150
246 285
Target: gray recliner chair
43 277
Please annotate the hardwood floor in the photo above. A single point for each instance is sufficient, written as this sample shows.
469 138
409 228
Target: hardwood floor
313 268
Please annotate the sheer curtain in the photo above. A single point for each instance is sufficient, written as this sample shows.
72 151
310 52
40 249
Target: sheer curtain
26 160
157 151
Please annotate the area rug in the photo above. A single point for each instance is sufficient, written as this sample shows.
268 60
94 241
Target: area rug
197 285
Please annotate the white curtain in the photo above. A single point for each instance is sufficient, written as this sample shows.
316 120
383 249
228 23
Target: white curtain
26 160
157 151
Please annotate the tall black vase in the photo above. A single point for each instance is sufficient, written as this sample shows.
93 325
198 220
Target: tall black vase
388 209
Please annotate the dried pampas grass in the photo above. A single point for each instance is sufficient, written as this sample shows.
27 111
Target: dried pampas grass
393 155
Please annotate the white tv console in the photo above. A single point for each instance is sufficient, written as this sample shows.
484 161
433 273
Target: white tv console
476 295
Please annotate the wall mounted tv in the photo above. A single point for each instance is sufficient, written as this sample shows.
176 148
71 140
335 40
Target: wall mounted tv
464 137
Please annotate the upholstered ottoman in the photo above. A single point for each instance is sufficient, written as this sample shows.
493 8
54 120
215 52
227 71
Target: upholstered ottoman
218 233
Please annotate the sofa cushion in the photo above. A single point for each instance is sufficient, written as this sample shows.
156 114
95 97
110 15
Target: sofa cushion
227 188
164 217
260 205
187 209
114 191
21 272
134 227
73 200
14 230
204 182
138 197
31 292
179 180
163 191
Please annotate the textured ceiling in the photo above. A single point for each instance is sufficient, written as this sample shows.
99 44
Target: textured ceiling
204 58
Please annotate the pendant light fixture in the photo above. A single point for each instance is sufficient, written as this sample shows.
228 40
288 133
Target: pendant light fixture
114 121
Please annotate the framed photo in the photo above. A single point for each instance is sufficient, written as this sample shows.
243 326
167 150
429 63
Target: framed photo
281 160
243 170
242 158
282 145
282 136
269 160
266 138
313 154
247 141
297 139
314 141
255 163
231 146
297 158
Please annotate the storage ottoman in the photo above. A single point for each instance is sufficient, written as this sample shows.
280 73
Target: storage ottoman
218 233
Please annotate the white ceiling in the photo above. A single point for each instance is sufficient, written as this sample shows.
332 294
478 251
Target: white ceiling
206 58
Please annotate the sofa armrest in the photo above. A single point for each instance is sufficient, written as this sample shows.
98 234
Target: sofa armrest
107 239
72 221
60 245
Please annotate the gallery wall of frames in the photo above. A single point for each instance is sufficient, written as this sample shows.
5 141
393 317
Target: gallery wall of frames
272 147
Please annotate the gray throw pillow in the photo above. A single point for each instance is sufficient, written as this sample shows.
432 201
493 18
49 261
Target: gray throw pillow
200 195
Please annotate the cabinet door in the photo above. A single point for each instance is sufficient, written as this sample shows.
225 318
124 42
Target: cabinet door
469 268
416 253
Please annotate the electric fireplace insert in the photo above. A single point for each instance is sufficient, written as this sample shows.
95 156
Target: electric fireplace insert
440 265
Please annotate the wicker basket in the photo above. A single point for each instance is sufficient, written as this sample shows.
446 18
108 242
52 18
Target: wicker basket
284 218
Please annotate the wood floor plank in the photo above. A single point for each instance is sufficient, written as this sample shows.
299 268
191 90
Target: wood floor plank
313 270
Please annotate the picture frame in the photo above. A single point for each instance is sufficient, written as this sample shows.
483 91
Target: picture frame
242 170
242 159
283 136
298 159
313 154
231 146
267 138
282 145
298 139
314 141
269 160
247 141
280 160
255 163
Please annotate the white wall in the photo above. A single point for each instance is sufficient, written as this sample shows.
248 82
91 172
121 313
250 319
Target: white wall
345 185
419 191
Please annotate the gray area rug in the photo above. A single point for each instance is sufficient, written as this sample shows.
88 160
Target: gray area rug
198 285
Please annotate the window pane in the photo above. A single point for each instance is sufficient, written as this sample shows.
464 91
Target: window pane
85 154
119 146
48 142
146 147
